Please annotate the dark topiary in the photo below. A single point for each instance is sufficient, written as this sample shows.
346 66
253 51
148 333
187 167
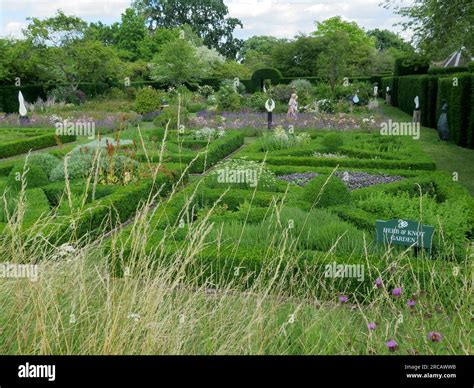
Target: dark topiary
259 77
34 177
324 192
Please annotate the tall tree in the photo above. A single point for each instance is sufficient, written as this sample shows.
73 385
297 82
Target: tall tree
66 55
208 19
357 45
439 26
177 63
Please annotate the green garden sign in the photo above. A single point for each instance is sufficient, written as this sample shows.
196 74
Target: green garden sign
404 232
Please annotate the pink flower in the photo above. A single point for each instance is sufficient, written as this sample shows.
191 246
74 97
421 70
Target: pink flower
397 292
343 299
435 336
391 345
371 325
411 303
378 283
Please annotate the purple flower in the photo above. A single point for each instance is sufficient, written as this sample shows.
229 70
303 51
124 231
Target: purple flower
397 292
434 336
378 283
343 299
391 345
371 325
411 303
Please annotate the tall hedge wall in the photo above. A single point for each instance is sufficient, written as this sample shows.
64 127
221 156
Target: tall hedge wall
423 86
392 83
460 107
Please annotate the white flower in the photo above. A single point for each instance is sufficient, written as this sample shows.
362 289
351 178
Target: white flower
134 316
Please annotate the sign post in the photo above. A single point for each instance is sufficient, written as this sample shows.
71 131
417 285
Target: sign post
404 232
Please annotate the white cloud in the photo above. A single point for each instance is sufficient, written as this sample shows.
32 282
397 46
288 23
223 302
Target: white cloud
281 18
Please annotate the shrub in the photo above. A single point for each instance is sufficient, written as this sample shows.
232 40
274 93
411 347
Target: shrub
171 113
327 105
256 101
324 192
46 162
279 140
148 100
303 88
281 92
228 99
241 173
34 177
206 90
68 95
332 142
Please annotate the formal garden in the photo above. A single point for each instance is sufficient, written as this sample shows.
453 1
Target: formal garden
187 215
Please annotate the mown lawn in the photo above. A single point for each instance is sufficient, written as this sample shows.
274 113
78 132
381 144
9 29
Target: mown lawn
448 157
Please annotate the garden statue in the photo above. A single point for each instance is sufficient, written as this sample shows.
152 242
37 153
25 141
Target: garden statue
269 106
388 96
443 127
355 99
376 91
292 106
417 111
22 110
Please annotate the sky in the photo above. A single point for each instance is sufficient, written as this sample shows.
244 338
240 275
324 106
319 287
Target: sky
280 18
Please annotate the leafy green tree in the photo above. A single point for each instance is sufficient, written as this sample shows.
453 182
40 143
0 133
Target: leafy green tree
298 57
67 56
177 63
439 26
19 59
130 32
154 40
231 69
385 39
332 62
357 45
208 19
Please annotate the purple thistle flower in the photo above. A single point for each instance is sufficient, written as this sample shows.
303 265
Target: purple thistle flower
378 283
391 345
343 299
411 303
371 325
434 336
397 292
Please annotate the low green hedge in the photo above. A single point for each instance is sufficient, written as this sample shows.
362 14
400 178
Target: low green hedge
346 162
32 143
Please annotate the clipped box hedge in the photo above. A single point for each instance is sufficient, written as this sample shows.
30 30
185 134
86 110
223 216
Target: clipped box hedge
32 143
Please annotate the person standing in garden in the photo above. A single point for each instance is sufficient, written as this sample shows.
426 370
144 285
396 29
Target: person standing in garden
292 106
